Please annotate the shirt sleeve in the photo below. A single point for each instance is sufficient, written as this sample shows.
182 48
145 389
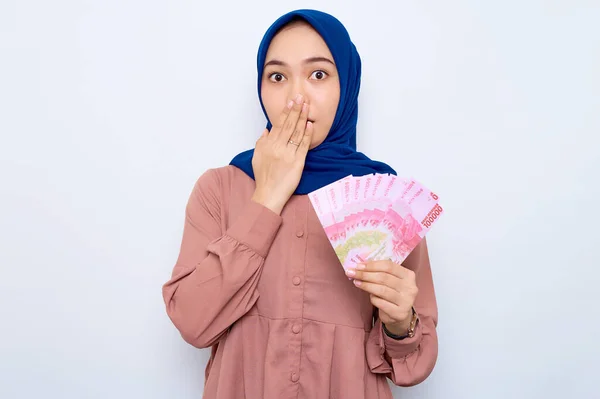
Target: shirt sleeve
214 282
409 361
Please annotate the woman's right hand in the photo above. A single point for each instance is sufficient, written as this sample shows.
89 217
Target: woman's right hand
277 163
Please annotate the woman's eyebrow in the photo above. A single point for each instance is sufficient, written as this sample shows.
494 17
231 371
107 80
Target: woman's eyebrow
318 59
309 60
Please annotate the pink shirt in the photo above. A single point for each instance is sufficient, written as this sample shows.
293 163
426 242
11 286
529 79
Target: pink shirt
268 295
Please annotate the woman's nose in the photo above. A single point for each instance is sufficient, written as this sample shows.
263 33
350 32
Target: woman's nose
297 89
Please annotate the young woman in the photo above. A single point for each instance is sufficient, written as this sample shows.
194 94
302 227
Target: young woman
257 280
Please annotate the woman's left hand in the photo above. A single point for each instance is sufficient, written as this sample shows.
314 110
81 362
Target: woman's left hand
392 289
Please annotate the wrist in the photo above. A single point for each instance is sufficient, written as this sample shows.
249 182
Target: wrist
264 199
403 328
399 328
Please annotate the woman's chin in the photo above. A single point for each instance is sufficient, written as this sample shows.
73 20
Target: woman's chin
314 144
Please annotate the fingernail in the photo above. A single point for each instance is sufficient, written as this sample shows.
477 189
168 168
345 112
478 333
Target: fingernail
304 107
350 272
290 104
361 266
309 124
299 99
357 283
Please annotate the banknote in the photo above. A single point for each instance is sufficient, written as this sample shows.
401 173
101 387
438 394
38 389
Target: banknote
375 216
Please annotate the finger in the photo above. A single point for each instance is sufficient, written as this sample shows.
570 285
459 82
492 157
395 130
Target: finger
278 125
389 280
306 140
300 126
290 123
387 266
379 290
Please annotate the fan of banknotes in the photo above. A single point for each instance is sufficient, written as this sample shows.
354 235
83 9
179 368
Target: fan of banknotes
375 217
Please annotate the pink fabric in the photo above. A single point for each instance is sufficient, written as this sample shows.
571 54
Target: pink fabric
270 297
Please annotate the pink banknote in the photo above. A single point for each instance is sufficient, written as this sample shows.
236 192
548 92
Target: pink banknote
374 217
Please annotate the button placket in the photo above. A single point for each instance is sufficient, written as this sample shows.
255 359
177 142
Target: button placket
296 271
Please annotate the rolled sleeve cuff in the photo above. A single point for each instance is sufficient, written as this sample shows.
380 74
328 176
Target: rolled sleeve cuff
256 227
398 349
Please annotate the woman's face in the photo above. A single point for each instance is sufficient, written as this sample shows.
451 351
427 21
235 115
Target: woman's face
299 62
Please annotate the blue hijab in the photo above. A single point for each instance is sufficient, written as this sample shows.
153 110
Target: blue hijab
336 157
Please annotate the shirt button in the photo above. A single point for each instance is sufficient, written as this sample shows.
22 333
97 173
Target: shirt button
299 233
296 280
295 377
296 328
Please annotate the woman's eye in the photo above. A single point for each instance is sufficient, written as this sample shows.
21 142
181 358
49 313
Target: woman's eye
319 75
276 77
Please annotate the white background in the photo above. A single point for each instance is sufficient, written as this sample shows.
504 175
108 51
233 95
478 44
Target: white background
110 110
